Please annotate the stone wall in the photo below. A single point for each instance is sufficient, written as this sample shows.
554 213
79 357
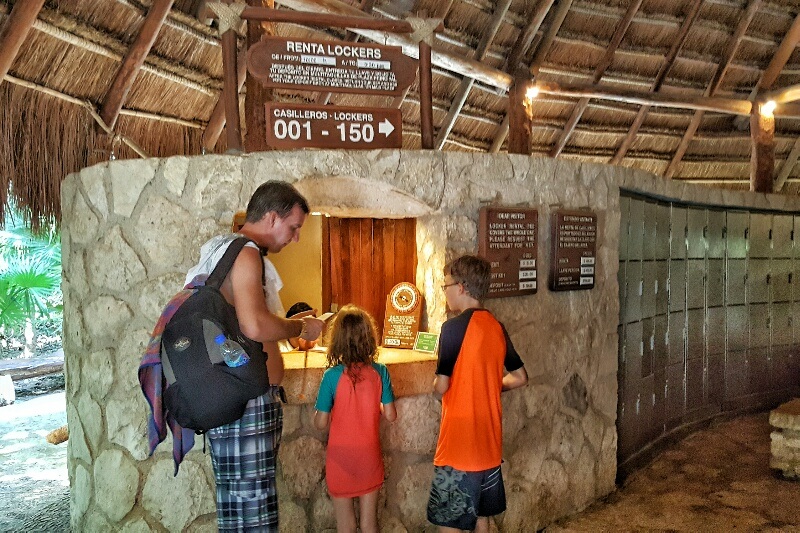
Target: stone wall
131 229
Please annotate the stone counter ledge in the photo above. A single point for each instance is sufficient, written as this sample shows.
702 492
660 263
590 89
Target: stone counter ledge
412 373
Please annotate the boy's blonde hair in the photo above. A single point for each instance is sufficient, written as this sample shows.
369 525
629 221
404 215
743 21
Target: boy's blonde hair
353 337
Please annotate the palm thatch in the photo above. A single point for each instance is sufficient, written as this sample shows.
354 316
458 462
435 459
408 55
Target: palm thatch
59 79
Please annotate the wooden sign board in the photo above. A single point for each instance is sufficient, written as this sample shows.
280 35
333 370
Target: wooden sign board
337 66
574 256
403 310
311 126
507 238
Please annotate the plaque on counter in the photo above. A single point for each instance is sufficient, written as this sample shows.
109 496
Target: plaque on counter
403 309
574 246
507 238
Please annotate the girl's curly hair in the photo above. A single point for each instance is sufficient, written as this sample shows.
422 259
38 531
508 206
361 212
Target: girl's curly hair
353 338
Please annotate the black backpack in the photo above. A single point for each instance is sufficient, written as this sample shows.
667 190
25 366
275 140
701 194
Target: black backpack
202 391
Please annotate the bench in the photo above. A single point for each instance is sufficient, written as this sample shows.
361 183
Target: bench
785 445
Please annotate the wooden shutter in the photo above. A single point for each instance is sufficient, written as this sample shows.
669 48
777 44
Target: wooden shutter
363 258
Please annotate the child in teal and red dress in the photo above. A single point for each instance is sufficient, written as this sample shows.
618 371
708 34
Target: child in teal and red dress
353 393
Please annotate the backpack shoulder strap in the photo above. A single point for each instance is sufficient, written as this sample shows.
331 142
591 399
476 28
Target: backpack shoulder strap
226 262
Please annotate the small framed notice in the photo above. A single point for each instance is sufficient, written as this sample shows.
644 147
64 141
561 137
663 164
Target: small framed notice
426 342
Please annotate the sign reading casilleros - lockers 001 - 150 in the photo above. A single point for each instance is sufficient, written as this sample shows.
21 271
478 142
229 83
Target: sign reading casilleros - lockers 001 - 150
507 239
291 125
574 245
336 66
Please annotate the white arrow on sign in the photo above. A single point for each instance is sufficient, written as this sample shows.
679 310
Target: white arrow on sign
385 127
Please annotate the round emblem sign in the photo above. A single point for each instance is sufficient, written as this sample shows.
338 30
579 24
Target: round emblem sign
404 297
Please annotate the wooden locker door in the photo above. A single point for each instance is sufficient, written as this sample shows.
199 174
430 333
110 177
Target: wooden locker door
363 258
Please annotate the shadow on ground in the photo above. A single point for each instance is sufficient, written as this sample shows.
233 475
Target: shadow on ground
33 472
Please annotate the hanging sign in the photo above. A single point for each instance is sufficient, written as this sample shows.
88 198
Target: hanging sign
312 126
337 66
507 239
574 257
403 310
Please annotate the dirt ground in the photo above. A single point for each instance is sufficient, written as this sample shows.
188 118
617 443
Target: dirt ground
34 487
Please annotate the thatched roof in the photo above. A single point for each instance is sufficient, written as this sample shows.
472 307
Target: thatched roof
71 56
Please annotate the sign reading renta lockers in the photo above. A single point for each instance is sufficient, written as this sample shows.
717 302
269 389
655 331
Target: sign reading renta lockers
337 66
507 239
574 246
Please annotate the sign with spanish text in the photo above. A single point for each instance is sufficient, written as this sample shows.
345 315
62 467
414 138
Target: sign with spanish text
507 238
337 66
574 243
311 126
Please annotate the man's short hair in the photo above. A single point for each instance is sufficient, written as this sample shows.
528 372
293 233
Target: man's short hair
277 196
472 272
299 307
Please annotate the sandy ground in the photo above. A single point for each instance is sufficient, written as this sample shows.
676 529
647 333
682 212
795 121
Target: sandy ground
34 488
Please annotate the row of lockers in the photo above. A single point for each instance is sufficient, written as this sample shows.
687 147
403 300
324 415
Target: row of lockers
698 388
654 343
651 230
649 288
707 306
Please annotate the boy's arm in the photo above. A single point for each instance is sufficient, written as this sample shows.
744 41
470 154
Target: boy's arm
515 379
441 383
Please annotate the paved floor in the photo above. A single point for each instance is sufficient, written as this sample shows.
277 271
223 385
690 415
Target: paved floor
717 479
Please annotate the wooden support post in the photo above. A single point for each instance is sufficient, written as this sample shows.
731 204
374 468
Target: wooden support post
519 124
230 90
216 121
425 95
256 95
14 31
118 91
762 155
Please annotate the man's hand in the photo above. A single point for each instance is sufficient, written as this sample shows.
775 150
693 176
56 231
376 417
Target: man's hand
312 328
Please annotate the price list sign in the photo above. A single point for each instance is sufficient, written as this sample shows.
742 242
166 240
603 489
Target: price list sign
337 66
507 239
574 239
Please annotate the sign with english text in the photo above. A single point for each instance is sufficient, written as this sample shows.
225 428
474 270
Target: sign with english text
336 66
312 126
507 238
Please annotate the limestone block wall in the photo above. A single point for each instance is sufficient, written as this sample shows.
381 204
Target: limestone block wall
132 228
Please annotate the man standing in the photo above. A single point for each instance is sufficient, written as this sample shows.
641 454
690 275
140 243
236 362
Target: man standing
476 363
244 452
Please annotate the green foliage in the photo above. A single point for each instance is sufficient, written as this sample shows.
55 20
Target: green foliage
30 274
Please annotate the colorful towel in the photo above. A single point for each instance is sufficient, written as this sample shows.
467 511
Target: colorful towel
153 383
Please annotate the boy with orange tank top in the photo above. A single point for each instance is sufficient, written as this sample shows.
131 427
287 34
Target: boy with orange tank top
477 361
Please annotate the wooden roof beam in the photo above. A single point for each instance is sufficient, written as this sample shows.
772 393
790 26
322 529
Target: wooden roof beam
601 68
536 63
786 168
698 103
134 59
776 65
525 38
782 96
15 30
722 68
666 65
466 83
